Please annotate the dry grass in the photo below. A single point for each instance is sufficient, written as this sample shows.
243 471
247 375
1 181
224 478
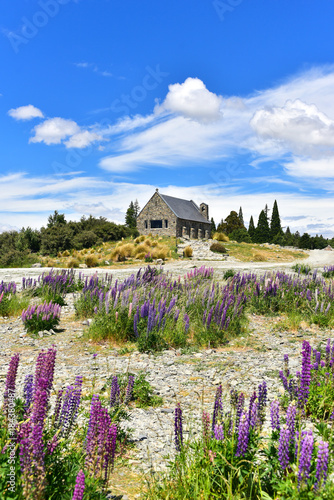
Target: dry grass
73 263
188 252
91 261
247 252
221 237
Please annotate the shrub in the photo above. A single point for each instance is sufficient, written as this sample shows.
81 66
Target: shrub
142 247
188 252
66 253
140 239
161 253
148 242
91 261
221 237
229 274
328 272
73 263
10 303
218 248
43 317
301 268
259 257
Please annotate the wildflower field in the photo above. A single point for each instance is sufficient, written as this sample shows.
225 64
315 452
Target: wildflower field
62 444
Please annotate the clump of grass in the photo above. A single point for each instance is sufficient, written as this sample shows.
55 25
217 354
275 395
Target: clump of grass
188 252
140 239
221 237
91 261
73 263
218 248
259 257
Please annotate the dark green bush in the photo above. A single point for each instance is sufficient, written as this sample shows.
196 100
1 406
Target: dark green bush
218 248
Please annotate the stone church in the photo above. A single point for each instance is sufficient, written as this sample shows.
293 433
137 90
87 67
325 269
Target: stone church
169 216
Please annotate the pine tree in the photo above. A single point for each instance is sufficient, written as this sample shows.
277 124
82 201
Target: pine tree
266 211
136 209
275 223
241 217
213 226
262 230
130 217
251 228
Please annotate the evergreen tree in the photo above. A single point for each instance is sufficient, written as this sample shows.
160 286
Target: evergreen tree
213 226
241 217
130 217
262 230
266 211
251 228
275 223
136 209
305 241
231 223
56 219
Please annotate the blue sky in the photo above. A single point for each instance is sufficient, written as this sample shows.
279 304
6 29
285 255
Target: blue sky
229 102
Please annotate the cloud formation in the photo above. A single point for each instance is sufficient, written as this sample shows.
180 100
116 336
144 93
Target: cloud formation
55 130
192 99
301 126
25 113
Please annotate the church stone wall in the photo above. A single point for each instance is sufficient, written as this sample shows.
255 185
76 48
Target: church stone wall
156 210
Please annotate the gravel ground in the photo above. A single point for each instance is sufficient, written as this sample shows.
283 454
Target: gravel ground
190 379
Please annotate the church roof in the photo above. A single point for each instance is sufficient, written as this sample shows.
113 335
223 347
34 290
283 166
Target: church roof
184 209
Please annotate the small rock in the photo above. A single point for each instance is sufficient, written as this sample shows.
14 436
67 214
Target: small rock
83 266
40 334
107 263
38 264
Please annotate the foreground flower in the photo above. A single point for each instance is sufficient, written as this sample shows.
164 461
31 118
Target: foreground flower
306 448
274 416
243 435
283 447
79 486
178 428
322 463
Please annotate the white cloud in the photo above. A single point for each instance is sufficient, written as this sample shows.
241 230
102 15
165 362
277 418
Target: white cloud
312 168
85 195
82 139
192 99
54 130
25 113
301 126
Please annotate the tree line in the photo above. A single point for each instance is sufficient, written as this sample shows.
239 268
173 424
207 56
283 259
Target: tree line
268 230
19 248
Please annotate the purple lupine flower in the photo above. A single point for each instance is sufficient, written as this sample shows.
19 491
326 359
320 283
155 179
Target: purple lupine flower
115 392
305 379
186 322
263 395
40 403
243 435
79 486
10 380
178 428
306 448
274 416
284 380
291 419
71 402
254 414
52 444
328 352
219 432
110 449
129 389
218 407
240 408
283 447
322 464
286 365
28 391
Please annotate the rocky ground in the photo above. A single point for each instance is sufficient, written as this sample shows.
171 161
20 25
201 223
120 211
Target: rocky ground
190 379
